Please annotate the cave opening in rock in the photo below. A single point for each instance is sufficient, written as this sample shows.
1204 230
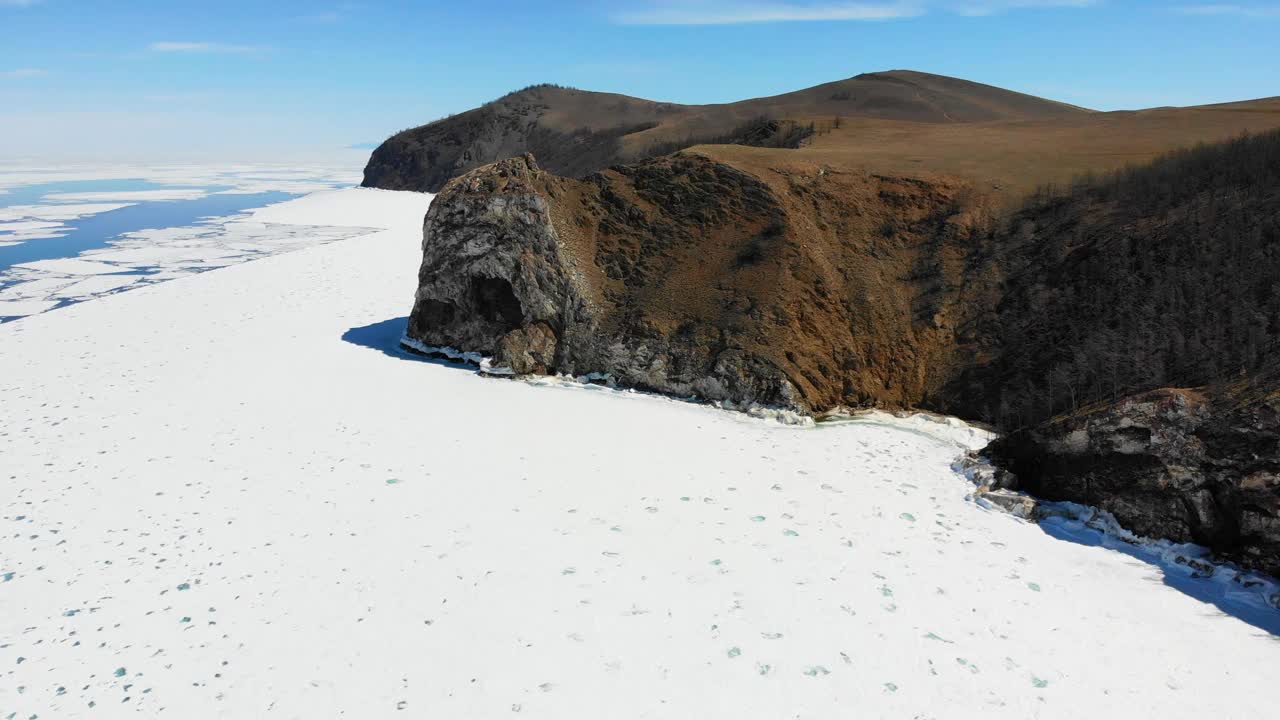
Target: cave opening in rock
436 313
496 301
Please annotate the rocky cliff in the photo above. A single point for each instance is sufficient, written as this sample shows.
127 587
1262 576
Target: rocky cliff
688 276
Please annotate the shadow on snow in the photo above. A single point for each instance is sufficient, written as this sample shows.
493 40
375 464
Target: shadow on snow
1231 599
385 338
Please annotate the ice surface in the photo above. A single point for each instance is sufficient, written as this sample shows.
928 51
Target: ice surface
1193 569
245 178
69 266
21 223
334 209
13 233
234 496
150 256
48 219
17 308
128 196
56 212
249 185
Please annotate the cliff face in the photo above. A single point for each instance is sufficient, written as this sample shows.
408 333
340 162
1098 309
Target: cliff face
808 290
513 266
1168 463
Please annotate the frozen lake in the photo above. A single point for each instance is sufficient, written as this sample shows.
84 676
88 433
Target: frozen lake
232 496
93 232
67 237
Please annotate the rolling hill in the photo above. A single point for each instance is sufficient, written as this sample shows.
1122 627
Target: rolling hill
1100 285
1010 159
573 132
898 122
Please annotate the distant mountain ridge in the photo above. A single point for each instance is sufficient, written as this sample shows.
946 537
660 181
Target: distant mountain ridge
1124 328
573 132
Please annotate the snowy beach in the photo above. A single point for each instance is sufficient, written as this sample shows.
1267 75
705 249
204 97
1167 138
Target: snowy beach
232 495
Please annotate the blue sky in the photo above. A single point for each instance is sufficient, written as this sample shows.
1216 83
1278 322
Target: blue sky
242 79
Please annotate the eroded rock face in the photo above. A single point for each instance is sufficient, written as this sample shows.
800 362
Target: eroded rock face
1167 463
493 278
799 287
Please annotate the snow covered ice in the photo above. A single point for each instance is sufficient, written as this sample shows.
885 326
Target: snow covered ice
143 250
232 495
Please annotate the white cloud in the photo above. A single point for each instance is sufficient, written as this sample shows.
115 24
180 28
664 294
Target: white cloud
1245 11
979 8
202 47
728 12
22 73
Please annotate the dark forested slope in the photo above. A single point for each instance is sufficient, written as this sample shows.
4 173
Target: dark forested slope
1134 348
1167 274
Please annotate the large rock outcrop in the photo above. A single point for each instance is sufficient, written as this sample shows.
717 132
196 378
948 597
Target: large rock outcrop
499 277
1168 463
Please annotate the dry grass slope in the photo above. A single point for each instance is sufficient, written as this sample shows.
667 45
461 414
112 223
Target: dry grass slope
1010 159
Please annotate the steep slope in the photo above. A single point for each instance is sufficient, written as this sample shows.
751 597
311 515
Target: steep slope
573 132
1119 295
1168 274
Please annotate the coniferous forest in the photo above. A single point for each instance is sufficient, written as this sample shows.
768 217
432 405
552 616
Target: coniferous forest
1160 275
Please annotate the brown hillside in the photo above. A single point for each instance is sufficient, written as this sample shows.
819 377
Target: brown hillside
1012 159
801 288
574 132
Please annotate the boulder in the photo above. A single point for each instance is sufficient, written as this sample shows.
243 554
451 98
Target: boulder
1169 463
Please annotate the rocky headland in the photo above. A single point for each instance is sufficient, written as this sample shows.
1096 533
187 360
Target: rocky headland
1119 331
688 276
575 132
